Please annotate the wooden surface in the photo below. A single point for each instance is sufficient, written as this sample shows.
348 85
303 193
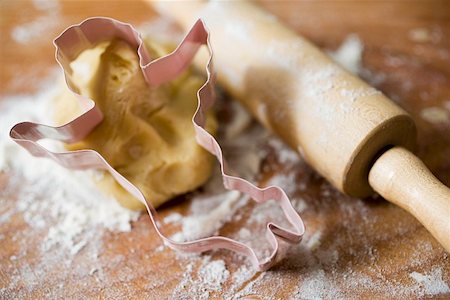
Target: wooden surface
366 241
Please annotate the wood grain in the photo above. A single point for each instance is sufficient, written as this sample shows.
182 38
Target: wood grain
369 236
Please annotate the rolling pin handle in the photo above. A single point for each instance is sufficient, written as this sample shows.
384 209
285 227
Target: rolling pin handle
403 179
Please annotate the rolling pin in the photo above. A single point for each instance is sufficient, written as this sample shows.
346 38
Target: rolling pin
349 132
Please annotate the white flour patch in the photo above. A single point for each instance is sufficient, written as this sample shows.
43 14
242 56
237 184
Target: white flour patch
214 274
349 54
203 222
432 284
64 209
31 32
435 115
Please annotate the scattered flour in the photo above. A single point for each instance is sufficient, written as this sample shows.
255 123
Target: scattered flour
163 30
45 5
31 31
314 240
349 54
201 282
241 121
318 286
212 208
285 155
435 115
432 284
214 274
419 35
315 263
76 222
50 196
286 181
173 218
208 222
67 215
354 94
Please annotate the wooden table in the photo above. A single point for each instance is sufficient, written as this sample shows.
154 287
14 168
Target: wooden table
363 247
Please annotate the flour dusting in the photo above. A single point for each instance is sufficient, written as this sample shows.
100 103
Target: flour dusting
431 284
435 115
349 54
70 219
64 210
33 30
48 192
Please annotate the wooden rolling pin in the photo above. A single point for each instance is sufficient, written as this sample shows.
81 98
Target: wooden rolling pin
348 131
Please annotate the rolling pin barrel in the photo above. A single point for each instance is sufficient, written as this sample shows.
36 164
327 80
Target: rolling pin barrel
334 119
337 122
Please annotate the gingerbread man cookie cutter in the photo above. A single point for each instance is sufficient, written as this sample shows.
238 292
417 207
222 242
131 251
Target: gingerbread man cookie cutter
87 34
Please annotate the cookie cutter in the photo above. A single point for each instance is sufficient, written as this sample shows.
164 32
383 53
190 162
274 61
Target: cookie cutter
77 38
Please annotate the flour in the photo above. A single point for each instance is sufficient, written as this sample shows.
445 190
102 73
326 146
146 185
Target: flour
354 94
214 274
31 32
208 222
241 121
211 275
50 196
285 155
435 115
349 54
314 240
75 227
45 5
431 284
162 30
419 35
215 206
318 286
173 218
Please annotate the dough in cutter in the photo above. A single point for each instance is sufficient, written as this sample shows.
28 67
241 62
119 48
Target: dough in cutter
147 133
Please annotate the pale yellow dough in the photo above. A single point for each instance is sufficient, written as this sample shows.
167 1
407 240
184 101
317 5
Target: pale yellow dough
147 133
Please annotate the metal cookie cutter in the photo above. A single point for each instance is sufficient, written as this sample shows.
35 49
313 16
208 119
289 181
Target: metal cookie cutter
89 33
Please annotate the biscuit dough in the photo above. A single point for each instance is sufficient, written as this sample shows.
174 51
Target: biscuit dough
147 133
